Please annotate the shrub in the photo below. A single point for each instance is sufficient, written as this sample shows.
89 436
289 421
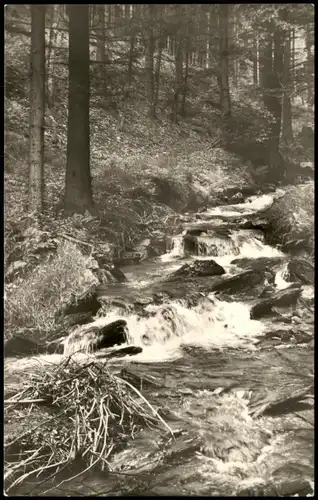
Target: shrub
31 305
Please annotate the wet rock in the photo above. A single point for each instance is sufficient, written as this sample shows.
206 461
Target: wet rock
300 270
91 338
244 282
130 350
204 244
128 258
261 263
66 322
20 346
281 298
87 302
281 335
281 401
197 268
55 347
157 244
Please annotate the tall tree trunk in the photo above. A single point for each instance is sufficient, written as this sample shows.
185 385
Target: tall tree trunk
161 43
51 89
265 60
310 71
225 99
149 53
255 59
78 190
109 15
179 77
271 72
287 129
293 58
37 108
100 51
185 80
127 11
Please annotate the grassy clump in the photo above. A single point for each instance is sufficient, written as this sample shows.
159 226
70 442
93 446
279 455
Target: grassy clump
291 219
31 305
85 413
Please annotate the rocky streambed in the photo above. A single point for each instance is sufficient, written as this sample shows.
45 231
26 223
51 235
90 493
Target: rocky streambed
218 335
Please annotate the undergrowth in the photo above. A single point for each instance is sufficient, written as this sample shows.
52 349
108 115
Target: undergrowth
31 305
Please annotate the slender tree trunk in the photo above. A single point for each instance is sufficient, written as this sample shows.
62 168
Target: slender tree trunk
185 79
310 72
131 58
161 43
271 72
265 60
225 100
127 11
255 60
149 66
109 15
78 190
179 77
293 58
37 108
100 51
51 90
287 129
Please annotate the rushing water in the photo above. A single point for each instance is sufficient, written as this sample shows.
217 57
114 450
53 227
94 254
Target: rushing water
210 370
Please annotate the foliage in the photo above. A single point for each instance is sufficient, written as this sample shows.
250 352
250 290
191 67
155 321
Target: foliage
88 412
291 218
31 305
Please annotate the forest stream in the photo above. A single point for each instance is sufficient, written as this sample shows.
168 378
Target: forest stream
221 380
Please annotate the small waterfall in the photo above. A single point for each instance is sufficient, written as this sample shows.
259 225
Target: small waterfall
280 276
239 244
211 324
177 250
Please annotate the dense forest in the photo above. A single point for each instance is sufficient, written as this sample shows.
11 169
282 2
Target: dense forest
142 135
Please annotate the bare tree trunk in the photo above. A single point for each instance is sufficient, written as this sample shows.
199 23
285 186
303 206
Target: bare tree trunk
293 57
178 79
51 55
272 90
310 71
100 51
287 129
225 100
161 43
78 190
127 11
265 60
255 59
149 53
109 15
37 109
185 80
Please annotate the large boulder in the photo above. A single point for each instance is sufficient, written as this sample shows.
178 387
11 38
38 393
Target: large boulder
86 302
281 298
92 337
20 346
199 268
247 283
291 219
300 270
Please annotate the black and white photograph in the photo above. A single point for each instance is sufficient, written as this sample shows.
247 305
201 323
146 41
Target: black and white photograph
159 250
